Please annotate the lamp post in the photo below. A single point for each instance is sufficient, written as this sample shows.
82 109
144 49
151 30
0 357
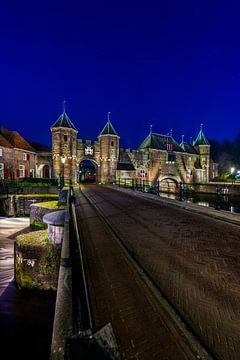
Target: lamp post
232 171
63 159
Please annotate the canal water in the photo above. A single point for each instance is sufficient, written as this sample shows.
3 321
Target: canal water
222 202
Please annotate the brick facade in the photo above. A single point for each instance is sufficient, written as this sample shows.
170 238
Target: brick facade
19 159
159 158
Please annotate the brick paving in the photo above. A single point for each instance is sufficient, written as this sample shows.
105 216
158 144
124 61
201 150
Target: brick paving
193 258
119 295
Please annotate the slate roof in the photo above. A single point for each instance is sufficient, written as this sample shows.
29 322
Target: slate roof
40 147
64 122
16 140
159 142
201 139
125 162
125 166
108 130
189 148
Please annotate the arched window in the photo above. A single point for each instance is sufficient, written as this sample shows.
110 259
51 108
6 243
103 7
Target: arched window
65 137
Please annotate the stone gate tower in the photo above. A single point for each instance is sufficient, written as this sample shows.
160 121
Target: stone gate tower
109 152
64 148
203 147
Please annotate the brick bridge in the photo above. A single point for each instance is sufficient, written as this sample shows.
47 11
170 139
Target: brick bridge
162 275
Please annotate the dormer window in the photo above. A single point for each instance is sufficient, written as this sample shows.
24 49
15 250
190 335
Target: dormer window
171 158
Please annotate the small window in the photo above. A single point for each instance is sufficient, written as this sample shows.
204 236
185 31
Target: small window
142 173
24 157
21 170
1 152
112 143
1 171
171 158
65 137
169 147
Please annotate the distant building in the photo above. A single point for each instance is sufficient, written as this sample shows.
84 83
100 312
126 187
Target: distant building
20 159
158 158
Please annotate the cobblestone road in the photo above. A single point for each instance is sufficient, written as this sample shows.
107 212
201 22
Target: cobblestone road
194 259
120 296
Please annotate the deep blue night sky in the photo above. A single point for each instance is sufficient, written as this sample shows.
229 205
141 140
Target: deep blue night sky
173 64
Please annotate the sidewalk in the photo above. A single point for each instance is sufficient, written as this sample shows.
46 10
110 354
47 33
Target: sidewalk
227 216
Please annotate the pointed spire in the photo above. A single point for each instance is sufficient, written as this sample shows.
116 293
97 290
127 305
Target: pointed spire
63 120
182 138
108 128
201 138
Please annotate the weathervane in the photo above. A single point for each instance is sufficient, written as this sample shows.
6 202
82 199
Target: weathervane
151 128
182 138
108 115
171 132
190 139
201 125
64 105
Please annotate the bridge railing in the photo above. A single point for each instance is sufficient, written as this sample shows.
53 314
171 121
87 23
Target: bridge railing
73 336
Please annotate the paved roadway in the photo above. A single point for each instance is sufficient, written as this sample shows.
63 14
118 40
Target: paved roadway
194 259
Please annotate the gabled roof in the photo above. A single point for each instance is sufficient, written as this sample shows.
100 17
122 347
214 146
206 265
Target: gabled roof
125 162
108 129
159 142
125 166
40 147
189 148
201 139
64 122
16 140
4 142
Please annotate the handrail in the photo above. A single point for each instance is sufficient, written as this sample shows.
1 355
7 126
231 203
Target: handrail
82 317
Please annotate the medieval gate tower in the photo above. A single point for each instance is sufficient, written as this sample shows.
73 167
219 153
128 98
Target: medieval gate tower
68 151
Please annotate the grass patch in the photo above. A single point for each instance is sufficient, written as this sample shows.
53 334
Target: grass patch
50 205
34 238
35 195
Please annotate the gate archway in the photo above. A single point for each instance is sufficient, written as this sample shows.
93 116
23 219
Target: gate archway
88 171
168 184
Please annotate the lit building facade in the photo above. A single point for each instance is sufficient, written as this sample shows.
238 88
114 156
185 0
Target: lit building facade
158 158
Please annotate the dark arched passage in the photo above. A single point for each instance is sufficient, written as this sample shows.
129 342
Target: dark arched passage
87 171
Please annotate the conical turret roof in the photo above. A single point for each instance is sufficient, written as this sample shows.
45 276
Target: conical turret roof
201 139
64 122
108 129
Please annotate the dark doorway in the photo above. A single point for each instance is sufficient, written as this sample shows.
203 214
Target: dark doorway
46 172
87 171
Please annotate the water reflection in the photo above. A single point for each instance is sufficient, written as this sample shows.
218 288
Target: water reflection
223 202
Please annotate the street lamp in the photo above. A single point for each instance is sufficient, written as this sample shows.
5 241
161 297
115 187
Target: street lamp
63 159
232 171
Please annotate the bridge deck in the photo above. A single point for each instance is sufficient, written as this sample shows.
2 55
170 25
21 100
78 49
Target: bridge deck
120 296
194 259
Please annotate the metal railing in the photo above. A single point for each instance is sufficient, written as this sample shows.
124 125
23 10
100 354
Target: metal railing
82 317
